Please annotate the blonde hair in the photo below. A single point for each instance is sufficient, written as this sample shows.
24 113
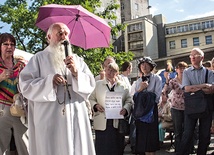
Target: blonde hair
114 66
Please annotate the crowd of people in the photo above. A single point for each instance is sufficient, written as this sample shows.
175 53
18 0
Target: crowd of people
62 90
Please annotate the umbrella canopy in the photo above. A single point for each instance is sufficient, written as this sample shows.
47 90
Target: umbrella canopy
87 29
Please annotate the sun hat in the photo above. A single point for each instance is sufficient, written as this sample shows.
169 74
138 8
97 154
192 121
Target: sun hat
147 60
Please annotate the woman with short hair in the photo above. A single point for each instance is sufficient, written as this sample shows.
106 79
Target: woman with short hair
147 137
177 100
108 139
9 73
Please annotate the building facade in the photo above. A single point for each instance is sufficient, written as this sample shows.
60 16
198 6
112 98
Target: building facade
128 10
132 9
148 35
170 42
182 36
141 38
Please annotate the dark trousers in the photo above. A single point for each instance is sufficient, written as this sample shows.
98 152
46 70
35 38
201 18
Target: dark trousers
178 124
132 135
204 134
109 141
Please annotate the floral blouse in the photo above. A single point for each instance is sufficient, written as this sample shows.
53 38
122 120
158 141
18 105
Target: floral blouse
177 94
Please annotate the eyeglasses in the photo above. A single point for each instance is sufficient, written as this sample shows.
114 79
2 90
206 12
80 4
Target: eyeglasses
195 56
7 44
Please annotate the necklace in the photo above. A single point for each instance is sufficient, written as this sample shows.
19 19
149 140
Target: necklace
65 89
63 102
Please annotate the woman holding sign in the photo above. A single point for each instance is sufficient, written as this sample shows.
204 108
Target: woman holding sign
110 102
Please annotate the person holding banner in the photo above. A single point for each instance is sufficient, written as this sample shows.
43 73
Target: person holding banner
111 102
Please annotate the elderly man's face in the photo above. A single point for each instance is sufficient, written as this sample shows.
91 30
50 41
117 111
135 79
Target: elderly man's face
59 34
196 58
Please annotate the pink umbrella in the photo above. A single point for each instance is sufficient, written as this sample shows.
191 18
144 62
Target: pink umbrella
87 29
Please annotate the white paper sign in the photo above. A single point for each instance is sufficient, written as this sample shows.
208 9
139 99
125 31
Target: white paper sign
113 105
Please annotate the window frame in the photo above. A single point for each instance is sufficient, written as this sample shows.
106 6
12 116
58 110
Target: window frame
183 43
172 44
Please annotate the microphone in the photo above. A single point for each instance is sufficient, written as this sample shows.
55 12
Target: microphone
65 43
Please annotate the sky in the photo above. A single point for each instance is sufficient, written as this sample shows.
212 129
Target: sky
179 10
173 10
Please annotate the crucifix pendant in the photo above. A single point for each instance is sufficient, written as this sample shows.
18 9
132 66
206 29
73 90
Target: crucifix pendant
63 111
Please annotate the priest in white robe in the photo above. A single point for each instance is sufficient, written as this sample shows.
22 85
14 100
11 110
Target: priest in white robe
57 88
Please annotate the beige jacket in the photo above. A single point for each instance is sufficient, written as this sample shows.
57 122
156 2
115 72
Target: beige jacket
98 96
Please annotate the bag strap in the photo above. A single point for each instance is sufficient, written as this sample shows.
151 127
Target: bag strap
206 76
21 66
18 88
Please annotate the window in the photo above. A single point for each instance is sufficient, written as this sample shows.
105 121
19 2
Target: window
123 19
171 30
135 27
196 41
195 26
183 43
172 44
136 6
136 45
122 6
207 24
132 28
183 28
140 26
135 36
179 29
208 39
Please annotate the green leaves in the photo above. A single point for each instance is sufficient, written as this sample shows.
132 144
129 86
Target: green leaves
22 15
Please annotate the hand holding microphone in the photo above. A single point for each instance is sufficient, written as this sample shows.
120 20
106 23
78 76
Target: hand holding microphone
70 64
69 60
66 43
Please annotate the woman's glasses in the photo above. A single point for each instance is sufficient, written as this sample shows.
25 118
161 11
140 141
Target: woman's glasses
7 44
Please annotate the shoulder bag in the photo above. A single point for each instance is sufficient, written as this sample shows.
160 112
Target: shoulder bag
19 106
196 102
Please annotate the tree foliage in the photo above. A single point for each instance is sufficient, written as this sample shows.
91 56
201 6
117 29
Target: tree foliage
22 15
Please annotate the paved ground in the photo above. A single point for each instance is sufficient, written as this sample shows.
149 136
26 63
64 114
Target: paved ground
166 149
